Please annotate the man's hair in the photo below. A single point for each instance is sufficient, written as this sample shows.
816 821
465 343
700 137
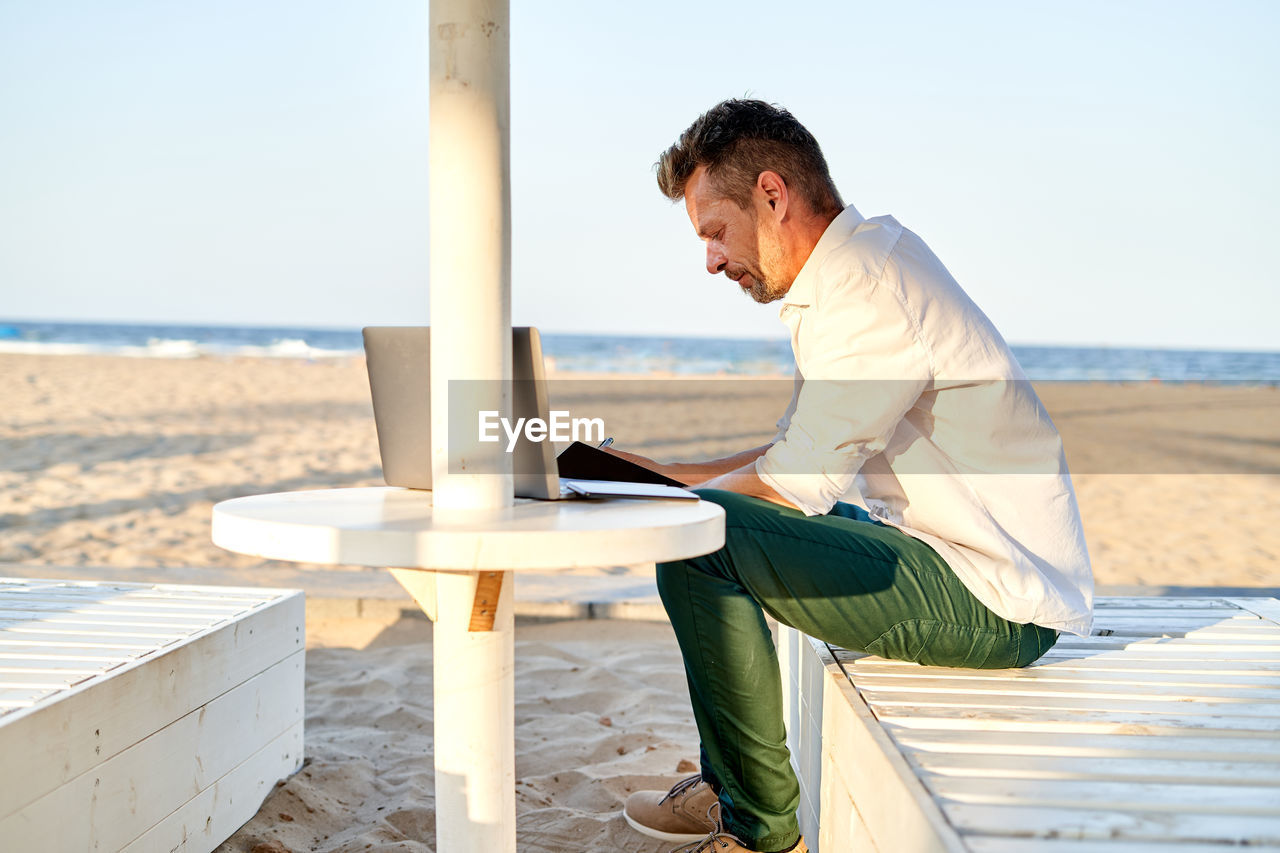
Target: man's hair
737 140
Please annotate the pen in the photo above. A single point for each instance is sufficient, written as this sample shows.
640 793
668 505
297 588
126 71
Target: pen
608 441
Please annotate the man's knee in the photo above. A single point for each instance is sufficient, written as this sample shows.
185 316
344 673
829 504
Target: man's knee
743 516
676 577
670 576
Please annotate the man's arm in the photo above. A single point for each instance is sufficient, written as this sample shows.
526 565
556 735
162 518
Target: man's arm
691 473
745 481
736 473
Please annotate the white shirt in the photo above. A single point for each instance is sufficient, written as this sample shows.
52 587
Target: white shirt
910 404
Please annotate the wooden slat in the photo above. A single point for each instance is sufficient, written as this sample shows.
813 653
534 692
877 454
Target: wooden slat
57 656
128 597
910 673
1077 687
1175 708
43 680
1161 732
132 595
1241 771
215 813
1241 624
1263 643
1032 719
1158 654
203 610
1252 800
46 646
73 630
1066 705
75 729
206 610
1255 631
96 616
136 788
889 797
120 613
55 665
990 844
101 626
1030 744
1253 647
1103 615
1115 663
20 696
842 826
36 588
1165 666
1165 827
1266 608
1109 603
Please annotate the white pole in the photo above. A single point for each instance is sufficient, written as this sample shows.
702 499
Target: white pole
471 340
470 246
474 721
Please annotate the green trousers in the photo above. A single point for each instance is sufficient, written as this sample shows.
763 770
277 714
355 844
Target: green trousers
843 578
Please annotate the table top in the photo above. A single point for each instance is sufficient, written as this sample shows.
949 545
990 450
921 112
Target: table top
392 527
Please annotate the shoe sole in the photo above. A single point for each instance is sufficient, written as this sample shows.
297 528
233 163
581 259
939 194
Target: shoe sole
679 837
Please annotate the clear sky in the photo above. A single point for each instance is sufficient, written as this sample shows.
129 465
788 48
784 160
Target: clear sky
1091 172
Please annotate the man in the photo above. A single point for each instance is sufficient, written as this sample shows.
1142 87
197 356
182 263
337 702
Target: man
915 503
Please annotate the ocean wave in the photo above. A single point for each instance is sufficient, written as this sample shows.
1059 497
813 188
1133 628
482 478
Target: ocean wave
178 348
614 354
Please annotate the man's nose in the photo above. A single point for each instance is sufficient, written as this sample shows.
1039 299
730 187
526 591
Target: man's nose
716 261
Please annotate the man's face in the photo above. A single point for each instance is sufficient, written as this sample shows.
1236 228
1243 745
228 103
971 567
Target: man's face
740 243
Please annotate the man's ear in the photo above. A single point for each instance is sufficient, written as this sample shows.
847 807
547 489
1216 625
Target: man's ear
772 191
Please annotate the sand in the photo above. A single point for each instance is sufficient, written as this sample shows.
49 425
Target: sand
601 709
117 461
112 465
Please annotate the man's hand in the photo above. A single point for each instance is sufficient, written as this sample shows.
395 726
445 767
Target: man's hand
643 462
745 481
735 473
698 473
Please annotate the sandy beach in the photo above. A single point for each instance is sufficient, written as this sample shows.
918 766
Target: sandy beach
113 464
600 709
109 461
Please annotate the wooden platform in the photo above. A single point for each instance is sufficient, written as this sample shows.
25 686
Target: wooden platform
1159 734
141 717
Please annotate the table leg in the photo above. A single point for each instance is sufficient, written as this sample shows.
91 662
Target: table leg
474 717
421 586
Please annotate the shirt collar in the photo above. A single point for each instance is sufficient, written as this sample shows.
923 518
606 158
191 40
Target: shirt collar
801 291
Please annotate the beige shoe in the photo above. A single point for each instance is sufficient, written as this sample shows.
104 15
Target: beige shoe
720 841
688 812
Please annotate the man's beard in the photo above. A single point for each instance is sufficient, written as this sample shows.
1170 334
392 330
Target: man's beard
765 286
764 292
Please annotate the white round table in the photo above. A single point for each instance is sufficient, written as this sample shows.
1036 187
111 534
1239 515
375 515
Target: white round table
457 564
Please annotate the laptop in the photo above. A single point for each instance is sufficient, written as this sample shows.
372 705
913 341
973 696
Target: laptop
398 361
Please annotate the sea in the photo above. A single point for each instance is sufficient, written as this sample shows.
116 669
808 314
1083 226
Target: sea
622 354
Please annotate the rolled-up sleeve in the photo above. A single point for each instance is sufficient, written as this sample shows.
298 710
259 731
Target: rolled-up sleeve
784 422
864 367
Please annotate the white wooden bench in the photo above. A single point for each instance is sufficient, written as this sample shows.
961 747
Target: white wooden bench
1158 734
141 717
